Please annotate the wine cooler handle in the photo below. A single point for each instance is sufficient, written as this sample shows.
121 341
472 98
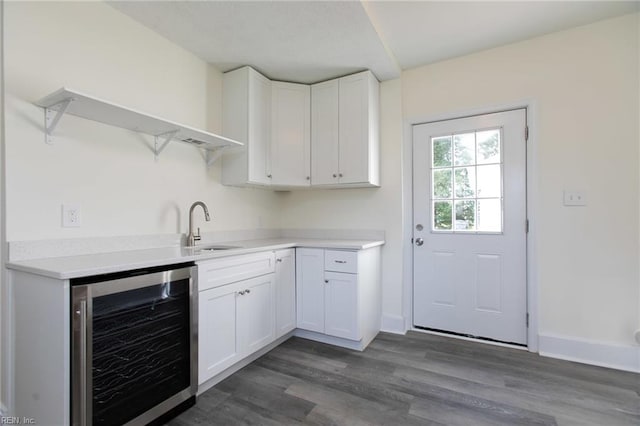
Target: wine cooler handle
83 363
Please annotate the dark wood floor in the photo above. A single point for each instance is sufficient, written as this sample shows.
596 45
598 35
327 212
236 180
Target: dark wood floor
417 379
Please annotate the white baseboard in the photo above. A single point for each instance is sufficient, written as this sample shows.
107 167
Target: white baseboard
603 354
393 324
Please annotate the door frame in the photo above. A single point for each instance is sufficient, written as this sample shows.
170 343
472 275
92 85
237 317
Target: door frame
532 197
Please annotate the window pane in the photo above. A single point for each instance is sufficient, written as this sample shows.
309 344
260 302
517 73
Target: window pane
490 215
442 215
441 151
442 183
465 215
488 146
465 181
464 149
489 181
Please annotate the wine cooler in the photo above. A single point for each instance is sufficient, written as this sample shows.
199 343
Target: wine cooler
134 346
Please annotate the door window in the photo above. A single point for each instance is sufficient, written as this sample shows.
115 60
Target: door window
466 182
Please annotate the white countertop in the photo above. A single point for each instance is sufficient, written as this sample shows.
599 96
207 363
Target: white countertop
104 263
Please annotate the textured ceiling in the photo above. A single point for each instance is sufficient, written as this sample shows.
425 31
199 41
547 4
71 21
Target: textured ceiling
311 41
299 41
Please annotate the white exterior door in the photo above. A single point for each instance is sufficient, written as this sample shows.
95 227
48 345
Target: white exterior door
469 209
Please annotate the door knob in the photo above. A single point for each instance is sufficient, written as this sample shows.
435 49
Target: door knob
419 241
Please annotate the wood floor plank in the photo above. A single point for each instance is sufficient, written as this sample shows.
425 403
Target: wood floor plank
417 379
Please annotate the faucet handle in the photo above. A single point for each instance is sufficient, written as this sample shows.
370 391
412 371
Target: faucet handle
197 236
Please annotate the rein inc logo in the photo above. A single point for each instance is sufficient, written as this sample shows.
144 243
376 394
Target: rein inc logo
15 420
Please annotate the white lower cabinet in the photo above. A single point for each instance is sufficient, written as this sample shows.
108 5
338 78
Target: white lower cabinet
341 305
310 289
285 289
234 321
248 301
338 295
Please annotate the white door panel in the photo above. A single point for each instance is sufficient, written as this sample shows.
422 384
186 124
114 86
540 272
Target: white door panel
256 316
310 292
470 212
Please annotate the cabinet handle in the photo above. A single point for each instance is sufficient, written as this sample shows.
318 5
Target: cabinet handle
278 260
339 174
269 176
335 175
308 177
247 291
340 261
83 362
326 281
241 293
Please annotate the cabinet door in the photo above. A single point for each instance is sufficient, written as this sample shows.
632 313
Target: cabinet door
324 133
310 291
356 127
290 134
256 316
246 117
285 284
217 338
341 305
259 128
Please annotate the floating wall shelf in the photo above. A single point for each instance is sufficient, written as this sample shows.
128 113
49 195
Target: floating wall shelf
67 101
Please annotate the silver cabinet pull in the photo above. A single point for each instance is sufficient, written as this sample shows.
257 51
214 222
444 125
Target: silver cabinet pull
340 261
241 293
419 241
278 260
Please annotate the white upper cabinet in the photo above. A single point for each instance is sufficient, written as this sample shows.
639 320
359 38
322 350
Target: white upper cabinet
246 117
290 134
297 135
324 133
345 141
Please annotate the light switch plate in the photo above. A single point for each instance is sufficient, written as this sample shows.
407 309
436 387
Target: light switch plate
575 198
71 215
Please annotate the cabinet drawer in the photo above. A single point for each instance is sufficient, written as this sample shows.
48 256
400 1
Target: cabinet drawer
217 272
341 261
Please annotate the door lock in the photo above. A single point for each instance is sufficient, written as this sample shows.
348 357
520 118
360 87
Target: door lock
419 241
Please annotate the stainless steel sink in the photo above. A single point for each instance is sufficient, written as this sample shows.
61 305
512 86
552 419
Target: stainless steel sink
215 248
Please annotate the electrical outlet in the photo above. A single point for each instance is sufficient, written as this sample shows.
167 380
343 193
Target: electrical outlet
71 215
575 198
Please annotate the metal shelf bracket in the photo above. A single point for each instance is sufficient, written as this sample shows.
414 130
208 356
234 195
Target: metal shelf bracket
212 155
52 116
162 140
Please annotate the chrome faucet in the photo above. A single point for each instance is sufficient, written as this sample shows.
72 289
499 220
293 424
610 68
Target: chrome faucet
192 238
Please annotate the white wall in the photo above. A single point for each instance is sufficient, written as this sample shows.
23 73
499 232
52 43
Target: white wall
585 85
111 172
369 208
